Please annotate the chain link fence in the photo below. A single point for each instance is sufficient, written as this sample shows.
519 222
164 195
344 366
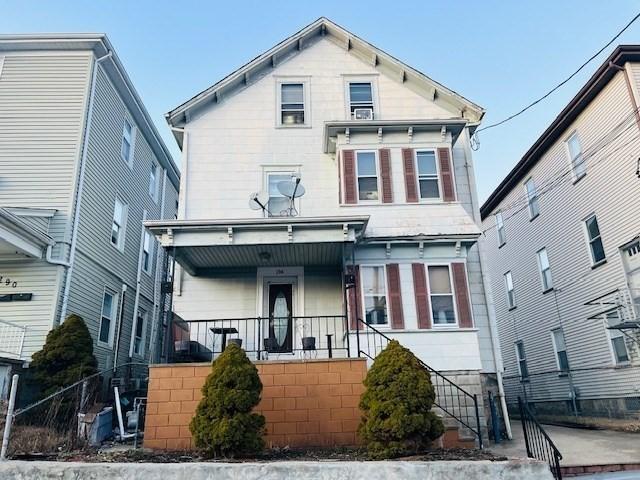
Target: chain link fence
81 415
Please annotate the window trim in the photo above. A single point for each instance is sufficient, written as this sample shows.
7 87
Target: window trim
378 177
523 359
383 267
500 230
142 313
614 358
131 140
306 97
437 175
508 277
557 352
532 199
123 227
148 269
545 288
156 182
575 176
589 241
435 325
114 313
361 78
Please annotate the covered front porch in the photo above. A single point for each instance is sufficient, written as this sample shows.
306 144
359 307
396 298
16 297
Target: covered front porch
275 286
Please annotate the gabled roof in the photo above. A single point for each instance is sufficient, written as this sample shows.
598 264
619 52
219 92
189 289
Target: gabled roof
102 48
284 50
603 75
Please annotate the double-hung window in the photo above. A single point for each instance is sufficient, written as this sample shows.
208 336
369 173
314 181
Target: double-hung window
278 205
532 198
441 295
428 174
522 360
147 249
361 100
511 293
153 182
595 240
107 318
502 235
292 104
578 167
616 337
545 270
560 348
118 225
367 171
374 292
139 332
126 146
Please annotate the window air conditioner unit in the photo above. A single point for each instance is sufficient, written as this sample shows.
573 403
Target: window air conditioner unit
363 114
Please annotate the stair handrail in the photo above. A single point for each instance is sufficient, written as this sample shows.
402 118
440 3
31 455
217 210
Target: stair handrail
542 444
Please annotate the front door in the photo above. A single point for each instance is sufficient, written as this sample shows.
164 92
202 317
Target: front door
280 318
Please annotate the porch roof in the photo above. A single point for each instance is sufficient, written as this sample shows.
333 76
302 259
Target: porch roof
258 242
19 240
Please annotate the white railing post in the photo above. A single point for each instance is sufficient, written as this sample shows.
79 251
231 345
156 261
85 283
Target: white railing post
9 419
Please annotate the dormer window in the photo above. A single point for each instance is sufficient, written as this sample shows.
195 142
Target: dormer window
361 100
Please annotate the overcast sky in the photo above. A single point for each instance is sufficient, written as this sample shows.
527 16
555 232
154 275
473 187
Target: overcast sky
501 55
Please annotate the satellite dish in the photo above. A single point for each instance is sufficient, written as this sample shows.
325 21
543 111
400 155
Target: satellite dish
291 188
257 201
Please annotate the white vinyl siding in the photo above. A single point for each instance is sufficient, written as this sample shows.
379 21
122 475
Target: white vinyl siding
511 293
594 239
545 270
441 295
374 294
532 198
578 167
107 318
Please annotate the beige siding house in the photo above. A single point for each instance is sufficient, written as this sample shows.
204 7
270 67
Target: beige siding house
78 155
562 242
383 243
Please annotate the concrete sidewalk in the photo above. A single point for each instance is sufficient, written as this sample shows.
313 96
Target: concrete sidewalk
579 446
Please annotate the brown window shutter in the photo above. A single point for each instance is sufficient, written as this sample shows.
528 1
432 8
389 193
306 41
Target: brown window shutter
423 307
410 182
462 295
385 175
349 176
446 175
394 296
354 298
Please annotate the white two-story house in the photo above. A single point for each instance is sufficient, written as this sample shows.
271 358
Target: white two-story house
369 228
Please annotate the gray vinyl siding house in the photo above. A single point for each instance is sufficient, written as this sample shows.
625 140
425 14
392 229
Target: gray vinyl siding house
571 346
64 101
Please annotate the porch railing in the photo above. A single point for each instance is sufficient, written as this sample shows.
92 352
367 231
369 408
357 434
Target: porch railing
537 442
11 339
306 337
452 399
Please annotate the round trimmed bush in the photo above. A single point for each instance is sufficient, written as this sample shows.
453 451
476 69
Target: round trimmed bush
397 418
224 425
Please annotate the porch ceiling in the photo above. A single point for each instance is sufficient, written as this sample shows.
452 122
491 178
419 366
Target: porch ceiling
18 240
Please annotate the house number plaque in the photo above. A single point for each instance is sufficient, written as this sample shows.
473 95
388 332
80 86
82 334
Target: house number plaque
7 281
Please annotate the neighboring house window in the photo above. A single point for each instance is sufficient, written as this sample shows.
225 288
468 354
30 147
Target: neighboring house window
361 100
441 293
560 348
428 174
595 240
578 167
502 235
292 104
532 198
147 249
522 361
153 182
545 270
511 293
367 172
118 225
126 147
107 318
278 205
616 337
139 333
374 292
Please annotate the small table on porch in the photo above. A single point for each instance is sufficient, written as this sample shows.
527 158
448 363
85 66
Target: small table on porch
224 331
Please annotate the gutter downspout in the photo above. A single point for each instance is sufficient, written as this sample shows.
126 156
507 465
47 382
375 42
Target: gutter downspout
488 297
120 321
136 302
182 202
76 213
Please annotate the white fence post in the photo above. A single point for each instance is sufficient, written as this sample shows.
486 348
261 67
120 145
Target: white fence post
9 419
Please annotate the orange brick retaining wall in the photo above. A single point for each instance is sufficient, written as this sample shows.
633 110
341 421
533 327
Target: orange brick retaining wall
305 402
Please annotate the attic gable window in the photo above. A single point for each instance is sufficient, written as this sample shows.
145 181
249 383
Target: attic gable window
361 100
292 104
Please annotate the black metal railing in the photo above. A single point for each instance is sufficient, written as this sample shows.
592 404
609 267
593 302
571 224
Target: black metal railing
303 337
452 399
537 442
